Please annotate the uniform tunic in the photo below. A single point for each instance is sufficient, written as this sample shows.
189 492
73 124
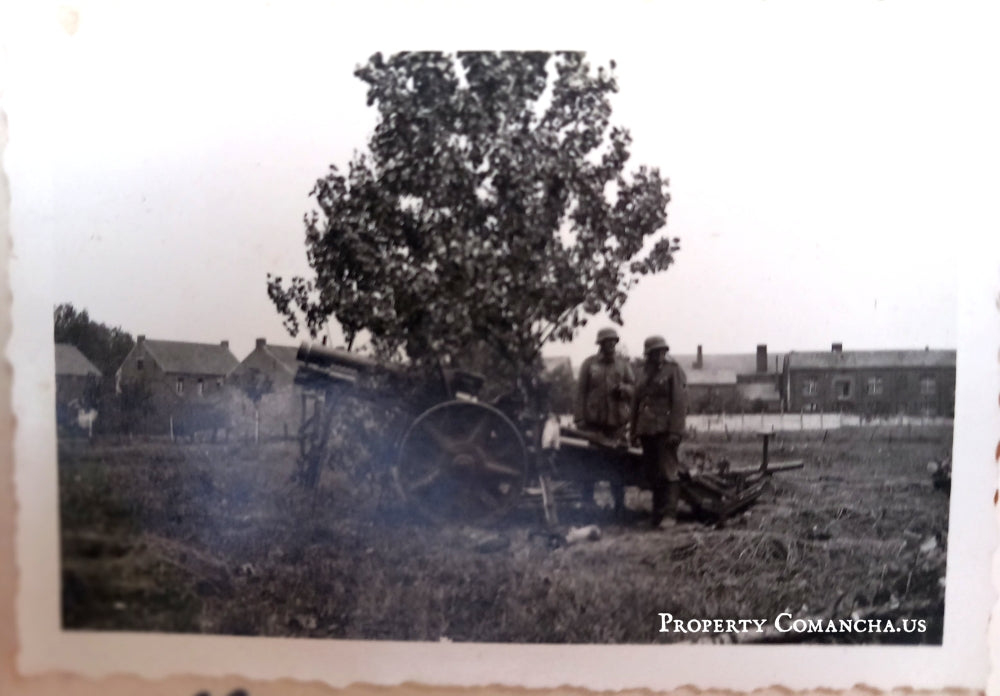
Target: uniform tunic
604 393
658 419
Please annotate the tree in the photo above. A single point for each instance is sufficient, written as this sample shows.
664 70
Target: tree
103 345
134 402
561 386
492 205
256 384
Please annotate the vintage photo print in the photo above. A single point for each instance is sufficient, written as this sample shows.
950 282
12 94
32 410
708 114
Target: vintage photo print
523 344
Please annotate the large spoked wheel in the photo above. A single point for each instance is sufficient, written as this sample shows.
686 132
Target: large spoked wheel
461 461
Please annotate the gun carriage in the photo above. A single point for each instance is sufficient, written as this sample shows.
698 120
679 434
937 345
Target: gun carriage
460 458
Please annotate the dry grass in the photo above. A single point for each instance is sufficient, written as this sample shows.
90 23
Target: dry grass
216 538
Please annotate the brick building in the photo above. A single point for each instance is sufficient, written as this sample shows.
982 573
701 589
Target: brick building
732 382
871 382
181 376
280 408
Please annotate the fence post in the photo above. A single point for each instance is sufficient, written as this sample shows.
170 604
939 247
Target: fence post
171 429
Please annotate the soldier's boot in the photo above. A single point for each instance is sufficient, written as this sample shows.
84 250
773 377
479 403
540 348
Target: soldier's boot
672 496
659 503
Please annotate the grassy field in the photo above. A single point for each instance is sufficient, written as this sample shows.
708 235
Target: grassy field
215 538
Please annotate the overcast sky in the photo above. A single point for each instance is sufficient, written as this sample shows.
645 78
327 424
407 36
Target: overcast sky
817 156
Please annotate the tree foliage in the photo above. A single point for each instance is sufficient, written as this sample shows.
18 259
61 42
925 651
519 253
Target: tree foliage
255 384
492 205
561 386
103 345
134 402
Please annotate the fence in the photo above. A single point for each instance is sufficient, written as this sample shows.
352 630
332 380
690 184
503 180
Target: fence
775 422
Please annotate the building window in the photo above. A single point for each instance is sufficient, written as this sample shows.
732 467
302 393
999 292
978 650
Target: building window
928 387
138 365
842 388
201 387
218 383
180 385
874 386
810 387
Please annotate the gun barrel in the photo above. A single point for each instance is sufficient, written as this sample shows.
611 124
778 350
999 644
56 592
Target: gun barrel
324 377
313 354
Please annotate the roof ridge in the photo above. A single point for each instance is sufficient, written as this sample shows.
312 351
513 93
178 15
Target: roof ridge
191 357
277 358
152 354
876 350
187 343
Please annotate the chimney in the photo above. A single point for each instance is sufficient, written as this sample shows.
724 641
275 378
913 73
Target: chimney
140 340
224 344
261 342
837 347
762 358
698 361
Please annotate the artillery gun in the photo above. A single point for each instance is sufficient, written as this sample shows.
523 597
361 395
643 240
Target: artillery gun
459 458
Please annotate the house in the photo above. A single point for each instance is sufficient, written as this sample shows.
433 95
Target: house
732 382
556 364
871 382
180 376
76 380
268 372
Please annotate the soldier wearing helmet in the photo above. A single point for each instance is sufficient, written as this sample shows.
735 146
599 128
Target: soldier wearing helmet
658 423
605 389
604 400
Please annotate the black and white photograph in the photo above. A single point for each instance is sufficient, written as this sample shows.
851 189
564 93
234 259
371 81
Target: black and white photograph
657 336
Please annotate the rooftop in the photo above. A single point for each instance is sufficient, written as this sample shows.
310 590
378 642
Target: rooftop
722 368
285 355
70 361
862 359
191 358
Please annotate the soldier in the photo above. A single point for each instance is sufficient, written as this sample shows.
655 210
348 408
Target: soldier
604 394
604 400
658 424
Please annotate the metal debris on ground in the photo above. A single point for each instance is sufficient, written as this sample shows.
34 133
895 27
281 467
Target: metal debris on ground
589 533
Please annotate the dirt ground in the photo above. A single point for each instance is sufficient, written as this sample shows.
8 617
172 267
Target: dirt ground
215 538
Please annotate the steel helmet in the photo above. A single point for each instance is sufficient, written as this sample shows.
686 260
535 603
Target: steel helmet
606 335
654 343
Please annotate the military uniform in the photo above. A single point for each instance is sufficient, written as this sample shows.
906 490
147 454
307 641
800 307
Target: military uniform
604 395
604 401
658 423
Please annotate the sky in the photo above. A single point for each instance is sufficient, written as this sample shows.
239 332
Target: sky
818 156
